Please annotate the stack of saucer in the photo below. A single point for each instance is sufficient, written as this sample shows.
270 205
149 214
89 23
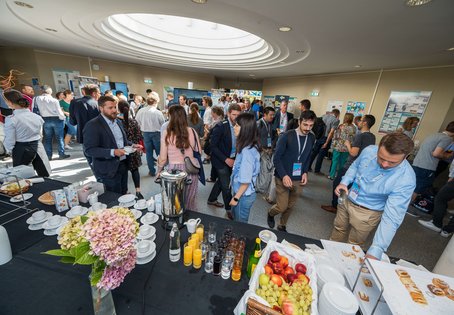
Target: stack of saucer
147 232
146 251
37 220
76 211
149 218
337 299
127 201
98 206
53 223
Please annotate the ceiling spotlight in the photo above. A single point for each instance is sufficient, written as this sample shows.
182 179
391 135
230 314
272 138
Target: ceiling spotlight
51 29
450 49
415 3
357 66
300 51
23 4
285 29
199 1
252 75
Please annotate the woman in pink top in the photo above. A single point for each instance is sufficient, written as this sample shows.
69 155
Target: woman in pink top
177 142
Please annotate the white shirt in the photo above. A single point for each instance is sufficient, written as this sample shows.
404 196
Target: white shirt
186 108
207 118
49 106
150 119
22 126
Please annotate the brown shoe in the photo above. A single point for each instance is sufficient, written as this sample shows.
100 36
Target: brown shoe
329 209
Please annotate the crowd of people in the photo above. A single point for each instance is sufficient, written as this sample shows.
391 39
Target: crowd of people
252 149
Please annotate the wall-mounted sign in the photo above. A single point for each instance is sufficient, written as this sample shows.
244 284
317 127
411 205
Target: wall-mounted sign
147 80
315 92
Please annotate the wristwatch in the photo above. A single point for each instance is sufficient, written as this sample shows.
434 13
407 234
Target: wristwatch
236 199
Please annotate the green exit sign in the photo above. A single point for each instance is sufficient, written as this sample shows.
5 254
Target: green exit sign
314 93
148 81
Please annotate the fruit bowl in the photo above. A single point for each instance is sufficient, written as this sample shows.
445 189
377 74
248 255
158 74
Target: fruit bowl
272 284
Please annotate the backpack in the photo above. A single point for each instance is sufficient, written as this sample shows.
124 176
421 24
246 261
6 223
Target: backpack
319 128
266 173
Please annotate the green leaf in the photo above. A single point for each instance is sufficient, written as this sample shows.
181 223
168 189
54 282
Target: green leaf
59 252
95 277
67 260
81 249
83 219
86 259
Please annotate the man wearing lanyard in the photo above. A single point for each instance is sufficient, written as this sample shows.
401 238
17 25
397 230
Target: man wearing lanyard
282 118
291 162
382 183
266 133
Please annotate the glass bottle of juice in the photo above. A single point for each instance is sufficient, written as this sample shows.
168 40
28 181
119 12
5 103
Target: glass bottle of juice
254 258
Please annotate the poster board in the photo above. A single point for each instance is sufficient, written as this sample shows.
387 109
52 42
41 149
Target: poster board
334 105
62 77
268 100
401 105
356 108
216 95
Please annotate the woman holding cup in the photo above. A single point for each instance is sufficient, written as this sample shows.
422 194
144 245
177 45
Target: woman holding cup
246 167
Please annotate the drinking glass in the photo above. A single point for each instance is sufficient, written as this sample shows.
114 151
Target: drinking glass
187 254
197 239
208 266
197 258
217 265
193 242
236 270
199 231
205 247
225 268
212 232
230 256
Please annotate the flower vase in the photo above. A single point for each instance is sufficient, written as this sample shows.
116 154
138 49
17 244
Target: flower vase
102 302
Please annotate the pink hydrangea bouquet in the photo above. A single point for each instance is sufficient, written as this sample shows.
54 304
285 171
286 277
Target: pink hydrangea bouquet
103 239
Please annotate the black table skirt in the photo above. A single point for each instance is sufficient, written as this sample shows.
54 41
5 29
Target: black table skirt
33 283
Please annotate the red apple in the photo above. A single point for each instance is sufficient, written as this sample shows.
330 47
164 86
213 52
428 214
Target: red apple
284 261
277 267
277 308
304 278
268 270
291 277
288 308
300 268
277 280
274 256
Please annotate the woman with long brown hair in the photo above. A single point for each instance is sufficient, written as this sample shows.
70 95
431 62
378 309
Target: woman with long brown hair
409 125
134 135
177 142
344 132
194 120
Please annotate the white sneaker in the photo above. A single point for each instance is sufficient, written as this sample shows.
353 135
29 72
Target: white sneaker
445 234
430 225
67 147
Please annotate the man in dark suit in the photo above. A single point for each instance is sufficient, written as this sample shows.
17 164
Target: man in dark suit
223 151
104 142
82 110
282 118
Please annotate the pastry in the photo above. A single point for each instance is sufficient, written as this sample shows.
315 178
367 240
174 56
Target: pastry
402 273
47 199
415 293
367 282
365 270
435 290
363 296
356 249
440 283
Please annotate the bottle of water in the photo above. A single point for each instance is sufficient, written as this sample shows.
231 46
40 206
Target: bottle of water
175 247
342 197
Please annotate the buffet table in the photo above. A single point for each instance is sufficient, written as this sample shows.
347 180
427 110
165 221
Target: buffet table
33 283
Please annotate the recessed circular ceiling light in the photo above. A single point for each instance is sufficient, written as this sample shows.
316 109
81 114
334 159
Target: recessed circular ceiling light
23 4
415 3
300 51
51 29
252 75
199 1
285 29
357 66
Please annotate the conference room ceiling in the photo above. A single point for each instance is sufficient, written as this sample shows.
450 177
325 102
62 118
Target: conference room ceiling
326 36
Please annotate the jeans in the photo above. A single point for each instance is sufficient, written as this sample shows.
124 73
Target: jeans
445 194
152 141
72 130
241 210
317 150
53 126
222 185
118 183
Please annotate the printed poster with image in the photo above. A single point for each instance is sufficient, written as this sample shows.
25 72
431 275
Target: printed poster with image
401 105
334 105
356 108
268 100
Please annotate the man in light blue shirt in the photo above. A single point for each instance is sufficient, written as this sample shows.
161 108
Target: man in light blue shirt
382 184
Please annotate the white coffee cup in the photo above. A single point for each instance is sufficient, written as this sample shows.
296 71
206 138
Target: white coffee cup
191 224
129 149
143 247
142 203
54 220
150 205
93 198
39 215
77 210
144 230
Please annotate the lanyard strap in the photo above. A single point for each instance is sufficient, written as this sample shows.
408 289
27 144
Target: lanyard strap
267 127
299 145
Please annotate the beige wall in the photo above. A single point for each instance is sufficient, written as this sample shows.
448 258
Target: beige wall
21 59
255 85
361 87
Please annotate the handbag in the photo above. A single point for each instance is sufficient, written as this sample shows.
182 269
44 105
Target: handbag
190 167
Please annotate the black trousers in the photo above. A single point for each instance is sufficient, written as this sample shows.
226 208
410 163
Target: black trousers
25 153
222 185
118 183
445 194
336 182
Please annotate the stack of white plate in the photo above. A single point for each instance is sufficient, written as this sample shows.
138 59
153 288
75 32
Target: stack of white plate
76 211
146 251
326 274
37 220
336 299
149 218
53 223
147 232
127 201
